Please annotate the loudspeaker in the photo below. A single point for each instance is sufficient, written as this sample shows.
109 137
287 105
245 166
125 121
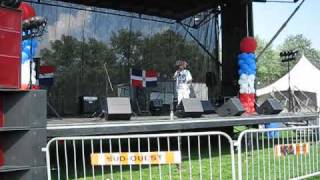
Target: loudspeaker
270 106
232 107
207 107
116 108
191 107
88 104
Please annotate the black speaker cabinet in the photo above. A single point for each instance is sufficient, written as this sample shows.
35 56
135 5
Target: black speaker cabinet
116 108
270 106
207 107
232 107
189 108
88 104
155 107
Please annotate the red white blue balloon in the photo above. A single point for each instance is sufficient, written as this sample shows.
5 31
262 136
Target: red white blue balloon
247 73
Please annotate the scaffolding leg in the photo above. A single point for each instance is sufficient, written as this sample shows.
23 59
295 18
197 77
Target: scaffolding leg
54 111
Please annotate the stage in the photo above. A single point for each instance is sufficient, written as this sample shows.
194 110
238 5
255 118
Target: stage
148 124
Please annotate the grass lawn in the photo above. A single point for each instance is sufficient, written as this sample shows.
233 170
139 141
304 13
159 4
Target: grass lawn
257 163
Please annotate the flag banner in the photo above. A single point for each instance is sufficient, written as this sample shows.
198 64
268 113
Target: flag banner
46 75
136 77
142 78
151 78
292 149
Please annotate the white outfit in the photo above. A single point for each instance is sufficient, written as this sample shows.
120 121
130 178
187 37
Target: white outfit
182 87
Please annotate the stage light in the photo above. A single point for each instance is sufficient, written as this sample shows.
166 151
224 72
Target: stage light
290 55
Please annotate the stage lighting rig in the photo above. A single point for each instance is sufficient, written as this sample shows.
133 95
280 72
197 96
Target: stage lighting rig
33 27
290 55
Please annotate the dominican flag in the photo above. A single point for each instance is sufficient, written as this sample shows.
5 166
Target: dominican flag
46 76
142 78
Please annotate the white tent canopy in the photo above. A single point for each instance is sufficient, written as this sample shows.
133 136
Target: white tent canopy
303 76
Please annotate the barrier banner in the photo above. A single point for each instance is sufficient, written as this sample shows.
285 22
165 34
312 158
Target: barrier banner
135 158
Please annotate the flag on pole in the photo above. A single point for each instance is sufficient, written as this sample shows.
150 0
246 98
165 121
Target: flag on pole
46 76
142 78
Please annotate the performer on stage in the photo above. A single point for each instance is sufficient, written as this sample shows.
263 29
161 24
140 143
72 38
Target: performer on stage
183 80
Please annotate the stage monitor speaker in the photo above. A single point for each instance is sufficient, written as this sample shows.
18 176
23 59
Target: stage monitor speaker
270 106
116 108
232 107
207 107
191 107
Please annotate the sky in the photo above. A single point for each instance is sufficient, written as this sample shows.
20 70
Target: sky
268 18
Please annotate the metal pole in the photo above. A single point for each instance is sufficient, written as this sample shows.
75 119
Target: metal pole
279 31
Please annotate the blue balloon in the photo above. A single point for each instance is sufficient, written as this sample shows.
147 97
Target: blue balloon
240 72
254 66
34 44
245 68
252 56
26 43
251 61
243 56
28 52
240 62
253 72
24 57
26 49
29 48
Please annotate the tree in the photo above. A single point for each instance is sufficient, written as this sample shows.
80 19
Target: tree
303 45
80 70
163 49
269 64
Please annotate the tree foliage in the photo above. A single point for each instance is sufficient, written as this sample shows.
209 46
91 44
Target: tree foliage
303 45
80 64
270 67
269 64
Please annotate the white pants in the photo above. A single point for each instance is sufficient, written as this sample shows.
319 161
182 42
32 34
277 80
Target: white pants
183 93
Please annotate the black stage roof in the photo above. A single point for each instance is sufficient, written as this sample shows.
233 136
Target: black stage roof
171 9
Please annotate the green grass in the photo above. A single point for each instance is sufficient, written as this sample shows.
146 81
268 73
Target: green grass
254 164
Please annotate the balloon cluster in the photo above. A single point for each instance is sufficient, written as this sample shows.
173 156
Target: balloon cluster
29 47
247 73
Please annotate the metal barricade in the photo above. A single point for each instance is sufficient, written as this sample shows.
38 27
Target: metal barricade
281 153
194 155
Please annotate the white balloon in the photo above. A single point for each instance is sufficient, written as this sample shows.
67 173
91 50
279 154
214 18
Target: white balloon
252 77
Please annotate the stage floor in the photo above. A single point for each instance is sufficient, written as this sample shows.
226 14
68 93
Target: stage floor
97 126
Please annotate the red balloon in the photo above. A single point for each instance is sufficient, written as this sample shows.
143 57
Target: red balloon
248 45
27 11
